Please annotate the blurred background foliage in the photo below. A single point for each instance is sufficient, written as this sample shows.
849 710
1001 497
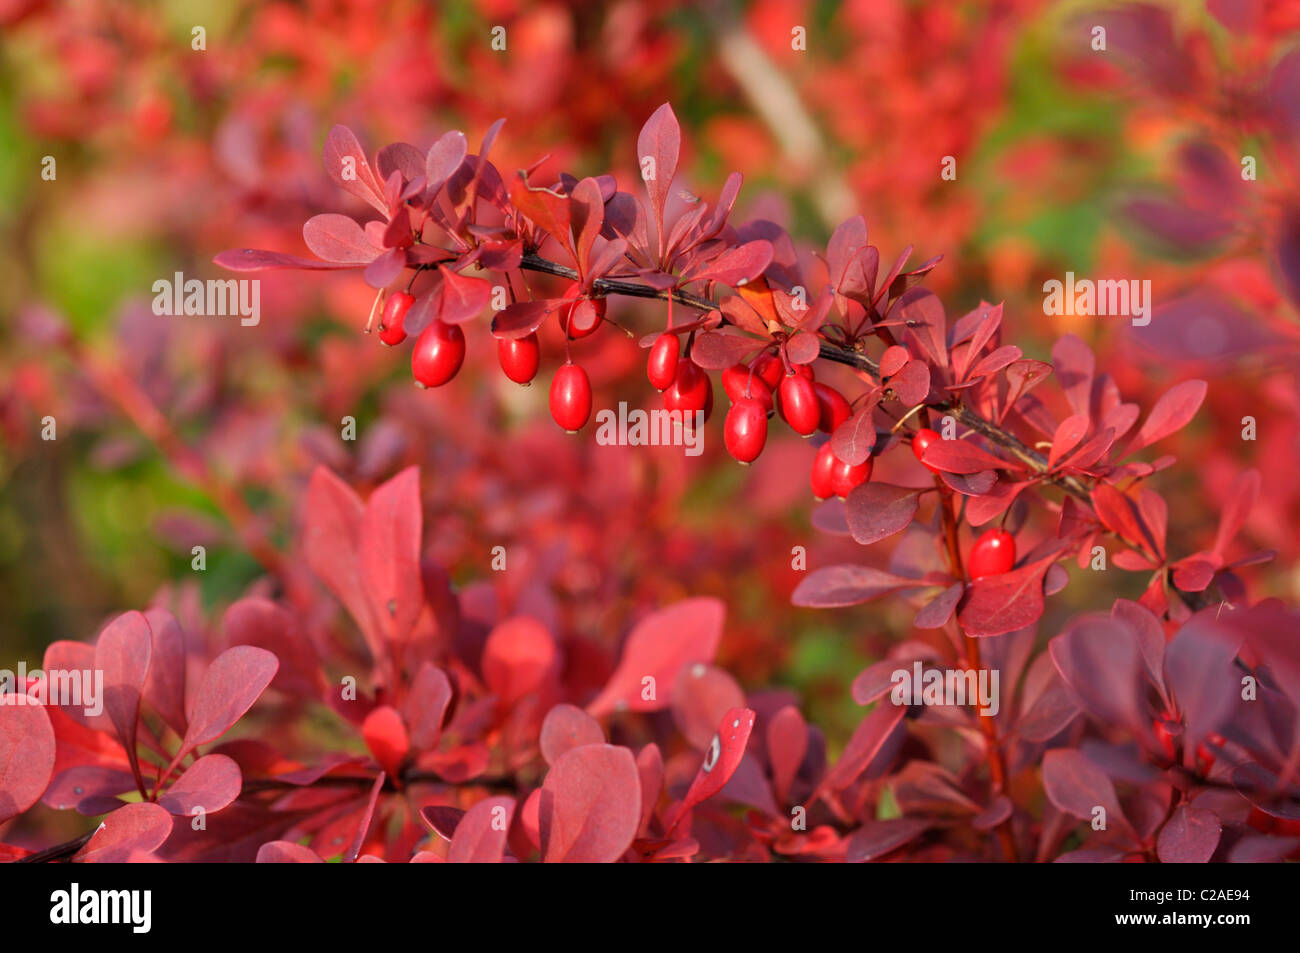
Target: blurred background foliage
167 154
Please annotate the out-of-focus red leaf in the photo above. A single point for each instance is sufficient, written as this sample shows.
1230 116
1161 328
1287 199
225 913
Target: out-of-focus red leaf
1077 786
868 739
385 735
122 654
426 706
874 839
230 686
566 727
287 852
833 586
659 647
1098 658
164 688
787 743
389 555
518 656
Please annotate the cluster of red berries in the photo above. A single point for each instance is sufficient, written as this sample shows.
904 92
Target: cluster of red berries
757 390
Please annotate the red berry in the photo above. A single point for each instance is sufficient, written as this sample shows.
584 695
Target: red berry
740 384
769 367
439 352
391 331
571 397
924 437
661 366
832 408
582 315
805 370
520 357
799 404
690 389
844 477
823 472
746 429
993 554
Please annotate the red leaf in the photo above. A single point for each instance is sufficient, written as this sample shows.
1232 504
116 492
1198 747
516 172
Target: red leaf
426 706
876 838
1075 365
210 783
1200 671
590 805
549 210
962 456
922 313
1190 836
936 613
1172 412
718 350
287 852
587 214
1067 437
228 688
339 239
518 656
390 554
1098 658
367 818
1077 786
1119 515
385 735
853 439
868 740
443 159
566 727
734 267
346 165
260 622
787 743
892 361
164 688
876 511
331 541
122 654
457 298
523 317
134 827
659 647
721 759
481 834
650 768
660 140
1005 603
256 259
1241 500
26 755
702 695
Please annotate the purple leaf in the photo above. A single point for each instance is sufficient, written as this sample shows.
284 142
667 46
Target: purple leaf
936 613
256 259
1007 602
1077 786
1098 658
845 585
876 511
1200 673
876 838
1189 836
346 165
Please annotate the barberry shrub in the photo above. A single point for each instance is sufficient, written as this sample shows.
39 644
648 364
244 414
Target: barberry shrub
1157 728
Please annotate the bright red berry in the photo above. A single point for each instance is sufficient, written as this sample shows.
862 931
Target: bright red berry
740 384
823 472
769 367
799 404
924 437
690 390
746 429
832 408
571 397
661 366
845 477
993 554
520 357
439 351
582 315
391 331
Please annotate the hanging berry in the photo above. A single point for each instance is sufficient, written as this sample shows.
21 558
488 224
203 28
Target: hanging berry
438 354
571 397
520 357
